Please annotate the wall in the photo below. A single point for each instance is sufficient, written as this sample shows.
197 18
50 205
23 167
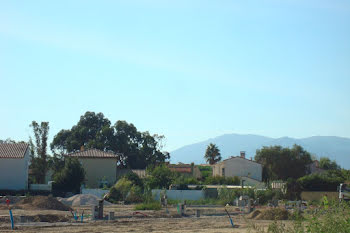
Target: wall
98 168
179 194
317 196
14 173
97 192
40 187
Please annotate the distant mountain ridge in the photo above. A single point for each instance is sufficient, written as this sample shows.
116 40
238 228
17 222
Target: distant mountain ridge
336 148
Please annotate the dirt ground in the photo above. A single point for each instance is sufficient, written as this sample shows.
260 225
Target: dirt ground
213 219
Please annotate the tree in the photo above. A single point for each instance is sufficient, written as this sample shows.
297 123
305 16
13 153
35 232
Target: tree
160 177
212 154
283 163
320 182
8 140
38 149
91 131
135 149
70 178
327 164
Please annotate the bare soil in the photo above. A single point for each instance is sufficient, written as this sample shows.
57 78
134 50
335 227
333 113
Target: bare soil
269 214
41 202
128 220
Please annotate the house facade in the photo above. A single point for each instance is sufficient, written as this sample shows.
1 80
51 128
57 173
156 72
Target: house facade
238 166
14 163
100 166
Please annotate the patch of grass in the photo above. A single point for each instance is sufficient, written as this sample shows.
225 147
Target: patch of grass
148 206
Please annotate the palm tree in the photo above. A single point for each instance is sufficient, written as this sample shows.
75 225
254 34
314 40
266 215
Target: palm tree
212 154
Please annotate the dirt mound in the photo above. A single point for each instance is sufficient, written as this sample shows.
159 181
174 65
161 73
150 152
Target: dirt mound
82 199
270 214
13 199
254 214
42 202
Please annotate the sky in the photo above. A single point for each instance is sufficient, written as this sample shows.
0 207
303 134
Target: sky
189 70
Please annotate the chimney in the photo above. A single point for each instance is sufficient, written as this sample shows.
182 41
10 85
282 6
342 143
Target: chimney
82 148
243 154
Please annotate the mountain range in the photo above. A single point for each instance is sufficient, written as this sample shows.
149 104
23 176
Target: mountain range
335 148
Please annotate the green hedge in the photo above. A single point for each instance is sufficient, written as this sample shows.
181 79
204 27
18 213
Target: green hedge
319 182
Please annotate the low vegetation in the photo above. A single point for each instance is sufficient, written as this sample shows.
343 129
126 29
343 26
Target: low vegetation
335 219
148 206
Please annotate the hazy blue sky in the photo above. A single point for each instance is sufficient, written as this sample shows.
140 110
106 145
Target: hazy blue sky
190 70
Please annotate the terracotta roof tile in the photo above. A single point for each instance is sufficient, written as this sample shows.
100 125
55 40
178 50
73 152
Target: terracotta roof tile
92 153
13 150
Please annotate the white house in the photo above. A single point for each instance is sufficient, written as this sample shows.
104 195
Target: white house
239 166
14 162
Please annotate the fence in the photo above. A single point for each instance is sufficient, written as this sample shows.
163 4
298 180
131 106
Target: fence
179 194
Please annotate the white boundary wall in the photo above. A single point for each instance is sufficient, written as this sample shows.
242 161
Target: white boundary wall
180 195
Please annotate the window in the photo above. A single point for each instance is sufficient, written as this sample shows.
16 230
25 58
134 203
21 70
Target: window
223 171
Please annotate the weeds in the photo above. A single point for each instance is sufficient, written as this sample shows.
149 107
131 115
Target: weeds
334 220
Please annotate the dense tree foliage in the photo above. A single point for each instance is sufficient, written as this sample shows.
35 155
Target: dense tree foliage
160 177
283 163
327 164
70 178
221 180
8 140
39 159
320 182
212 154
136 149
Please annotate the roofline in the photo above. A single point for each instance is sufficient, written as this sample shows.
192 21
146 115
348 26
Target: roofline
234 157
76 152
22 157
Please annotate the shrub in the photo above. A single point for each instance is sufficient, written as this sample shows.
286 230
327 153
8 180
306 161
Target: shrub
267 195
319 182
114 195
70 178
134 195
206 171
135 179
160 177
227 196
120 190
221 180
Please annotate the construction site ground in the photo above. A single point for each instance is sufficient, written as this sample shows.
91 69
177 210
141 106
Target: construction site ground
212 219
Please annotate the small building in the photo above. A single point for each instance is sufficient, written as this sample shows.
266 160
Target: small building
100 166
186 169
14 163
238 166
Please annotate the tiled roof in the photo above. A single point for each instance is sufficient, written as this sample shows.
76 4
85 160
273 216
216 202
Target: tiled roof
92 153
13 150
